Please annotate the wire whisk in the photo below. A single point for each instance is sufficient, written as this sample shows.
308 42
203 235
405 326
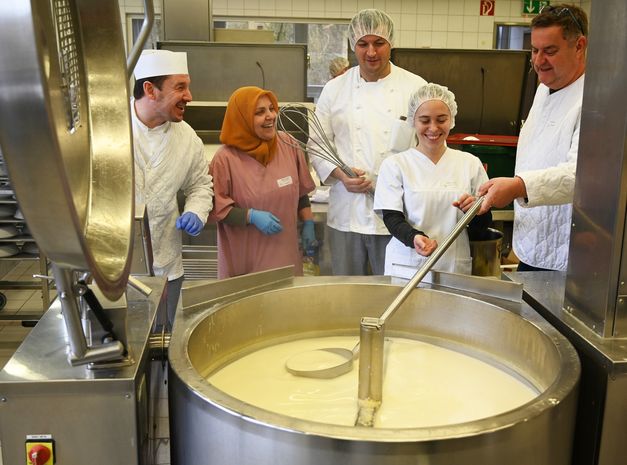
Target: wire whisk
300 119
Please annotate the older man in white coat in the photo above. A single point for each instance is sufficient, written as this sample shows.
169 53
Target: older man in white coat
358 111
169 157
546 158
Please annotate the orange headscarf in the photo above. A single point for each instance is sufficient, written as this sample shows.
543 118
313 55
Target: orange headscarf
237 128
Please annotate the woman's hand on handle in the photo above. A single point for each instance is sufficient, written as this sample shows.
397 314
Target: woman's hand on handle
424 246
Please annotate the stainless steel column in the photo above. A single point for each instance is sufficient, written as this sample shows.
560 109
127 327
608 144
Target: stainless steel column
596 292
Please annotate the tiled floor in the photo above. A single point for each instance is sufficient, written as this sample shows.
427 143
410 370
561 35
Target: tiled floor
19 302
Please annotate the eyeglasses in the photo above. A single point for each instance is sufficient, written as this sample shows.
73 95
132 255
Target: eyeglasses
560 11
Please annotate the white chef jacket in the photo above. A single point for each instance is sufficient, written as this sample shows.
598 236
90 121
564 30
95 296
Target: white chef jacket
168 158
358 117
546 161
411 183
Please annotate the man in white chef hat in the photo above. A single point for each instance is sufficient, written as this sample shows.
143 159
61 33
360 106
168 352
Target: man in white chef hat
169 157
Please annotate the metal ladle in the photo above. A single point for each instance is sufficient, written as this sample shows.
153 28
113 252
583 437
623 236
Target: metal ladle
331 362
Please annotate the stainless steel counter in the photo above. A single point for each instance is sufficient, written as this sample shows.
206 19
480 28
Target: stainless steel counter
602 409
93 416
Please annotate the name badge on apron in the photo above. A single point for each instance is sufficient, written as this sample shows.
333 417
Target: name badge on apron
286 181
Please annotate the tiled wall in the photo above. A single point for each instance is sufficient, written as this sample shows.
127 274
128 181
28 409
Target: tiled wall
420 23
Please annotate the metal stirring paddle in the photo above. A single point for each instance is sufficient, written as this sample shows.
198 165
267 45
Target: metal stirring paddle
334 361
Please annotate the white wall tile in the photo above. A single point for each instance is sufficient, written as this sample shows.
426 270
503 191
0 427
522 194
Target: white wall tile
407 39
455 23
332 5
440 8
267 4
393 6
424 23
300 5
282 5
364 4
425 7
423 39
456 7
486 23
471 23
408 7
408 22
471 7
379 4
470 40
440 23
502 8
349 6
485 40
222 4
453 40
251 5
236 4
438 39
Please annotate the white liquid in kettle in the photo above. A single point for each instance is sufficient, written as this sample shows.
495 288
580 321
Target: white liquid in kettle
424 385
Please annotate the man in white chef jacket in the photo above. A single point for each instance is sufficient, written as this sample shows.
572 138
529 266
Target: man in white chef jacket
357 111
546 158
169 157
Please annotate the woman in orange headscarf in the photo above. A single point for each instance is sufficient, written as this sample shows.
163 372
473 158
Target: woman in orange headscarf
260 184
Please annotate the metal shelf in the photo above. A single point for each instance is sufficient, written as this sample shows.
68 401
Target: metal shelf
42 284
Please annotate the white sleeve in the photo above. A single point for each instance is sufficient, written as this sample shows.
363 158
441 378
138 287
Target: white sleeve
389 192
554 185
198 186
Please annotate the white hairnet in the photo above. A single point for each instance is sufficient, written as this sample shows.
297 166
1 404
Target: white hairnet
337 65
428 92
371 22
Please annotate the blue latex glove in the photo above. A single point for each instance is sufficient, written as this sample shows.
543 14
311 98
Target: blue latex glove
308 234
265 222
190 223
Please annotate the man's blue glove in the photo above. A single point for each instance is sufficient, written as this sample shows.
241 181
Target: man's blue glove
308 235
265 222
190 223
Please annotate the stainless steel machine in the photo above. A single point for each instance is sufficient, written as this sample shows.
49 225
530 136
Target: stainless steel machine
76 391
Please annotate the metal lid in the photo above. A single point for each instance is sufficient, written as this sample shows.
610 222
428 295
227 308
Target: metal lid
66 135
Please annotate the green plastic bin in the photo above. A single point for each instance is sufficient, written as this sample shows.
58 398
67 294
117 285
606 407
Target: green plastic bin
499 161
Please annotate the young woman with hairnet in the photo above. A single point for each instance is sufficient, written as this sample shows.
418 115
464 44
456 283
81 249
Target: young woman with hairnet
421 192
260 186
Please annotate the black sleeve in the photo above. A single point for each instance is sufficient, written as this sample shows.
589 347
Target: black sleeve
478 227
398 226
303 202
236 217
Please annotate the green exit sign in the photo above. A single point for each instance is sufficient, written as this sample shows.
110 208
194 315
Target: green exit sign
533 7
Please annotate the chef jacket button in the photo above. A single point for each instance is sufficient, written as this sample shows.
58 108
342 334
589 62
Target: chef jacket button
389 110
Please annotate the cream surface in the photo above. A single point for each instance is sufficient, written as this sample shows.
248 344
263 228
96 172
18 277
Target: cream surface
424 385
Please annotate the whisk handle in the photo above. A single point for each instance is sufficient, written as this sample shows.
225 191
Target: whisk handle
348 171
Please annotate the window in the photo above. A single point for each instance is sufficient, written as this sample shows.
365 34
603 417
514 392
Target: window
133 26
324 42
512 36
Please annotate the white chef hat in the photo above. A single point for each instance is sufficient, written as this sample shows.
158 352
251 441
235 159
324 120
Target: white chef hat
160 63
428 92
371 22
